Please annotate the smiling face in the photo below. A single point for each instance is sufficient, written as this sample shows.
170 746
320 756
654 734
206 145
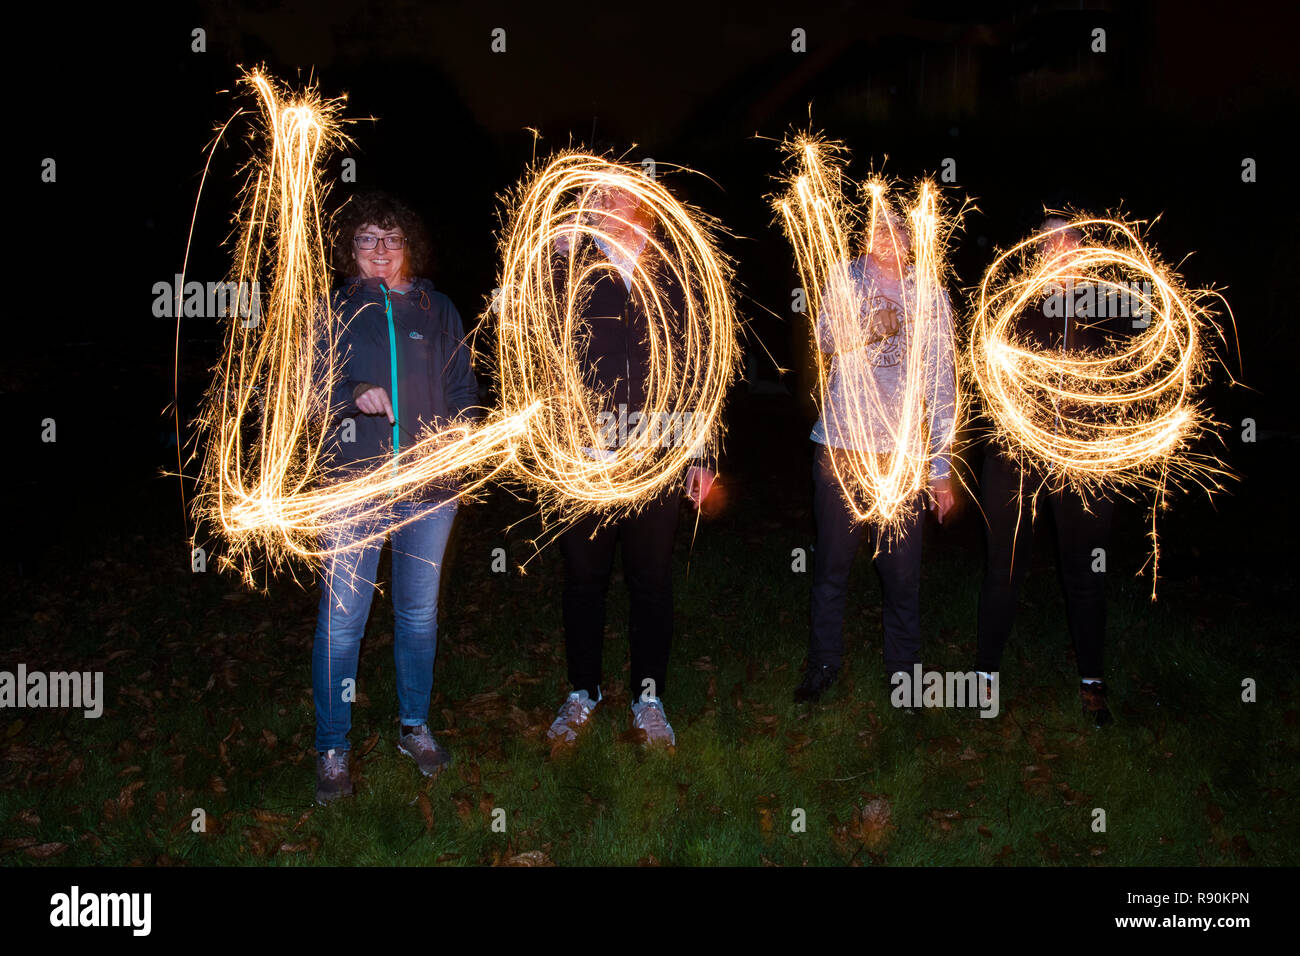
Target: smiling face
380 262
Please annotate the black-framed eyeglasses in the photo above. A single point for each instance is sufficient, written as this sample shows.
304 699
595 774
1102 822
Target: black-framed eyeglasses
369 242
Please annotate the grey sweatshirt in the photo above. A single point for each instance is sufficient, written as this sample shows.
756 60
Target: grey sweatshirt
860 369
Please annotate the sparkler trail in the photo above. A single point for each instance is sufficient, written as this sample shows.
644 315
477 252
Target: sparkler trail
693 357
891 432
265 427
1117 419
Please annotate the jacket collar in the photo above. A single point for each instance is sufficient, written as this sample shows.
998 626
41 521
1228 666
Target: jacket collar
355 285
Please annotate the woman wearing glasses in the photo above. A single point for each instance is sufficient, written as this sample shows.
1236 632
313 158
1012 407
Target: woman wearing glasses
402 369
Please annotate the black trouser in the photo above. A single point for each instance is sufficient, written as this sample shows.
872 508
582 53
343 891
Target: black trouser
1082 525
898 564
588 549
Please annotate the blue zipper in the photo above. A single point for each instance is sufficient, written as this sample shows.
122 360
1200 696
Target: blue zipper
392 361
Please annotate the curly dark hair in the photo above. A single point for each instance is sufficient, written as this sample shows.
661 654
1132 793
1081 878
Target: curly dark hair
380 209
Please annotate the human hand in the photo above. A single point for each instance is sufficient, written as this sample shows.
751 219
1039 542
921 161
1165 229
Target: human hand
373 400
882 324
942 497
699 482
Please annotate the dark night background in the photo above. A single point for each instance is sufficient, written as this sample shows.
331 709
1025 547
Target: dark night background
1158 126
1159 123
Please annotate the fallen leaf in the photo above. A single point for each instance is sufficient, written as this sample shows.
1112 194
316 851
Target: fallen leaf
309 845
426 811
126 799
529 858
871 824
43 851
464 808
798 741
261 841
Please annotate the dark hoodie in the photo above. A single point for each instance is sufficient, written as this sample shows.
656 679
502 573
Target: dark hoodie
615 329
1078 321
413 346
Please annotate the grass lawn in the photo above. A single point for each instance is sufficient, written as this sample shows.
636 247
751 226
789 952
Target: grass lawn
209 705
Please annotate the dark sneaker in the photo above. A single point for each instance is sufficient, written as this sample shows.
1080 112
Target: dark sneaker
572 718
1093 699
648 715
418 744
816 681
333 776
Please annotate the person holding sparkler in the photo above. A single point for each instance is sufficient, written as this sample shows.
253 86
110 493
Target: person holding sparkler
1011 490
884 284
617 242
403 367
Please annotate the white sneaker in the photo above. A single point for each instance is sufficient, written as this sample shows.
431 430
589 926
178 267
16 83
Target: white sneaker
648 715
572 717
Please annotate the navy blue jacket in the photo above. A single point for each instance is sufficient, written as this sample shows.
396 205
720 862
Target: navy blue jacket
1073 324
616 329
413 346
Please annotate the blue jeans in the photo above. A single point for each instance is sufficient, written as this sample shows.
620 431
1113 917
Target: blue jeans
347 587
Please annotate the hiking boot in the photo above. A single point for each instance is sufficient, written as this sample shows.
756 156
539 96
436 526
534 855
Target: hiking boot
816 681
418 744
572 717
333 776
648 715
1093 699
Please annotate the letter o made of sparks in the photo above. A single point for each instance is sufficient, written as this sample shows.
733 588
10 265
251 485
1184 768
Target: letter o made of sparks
551 258
1116 416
